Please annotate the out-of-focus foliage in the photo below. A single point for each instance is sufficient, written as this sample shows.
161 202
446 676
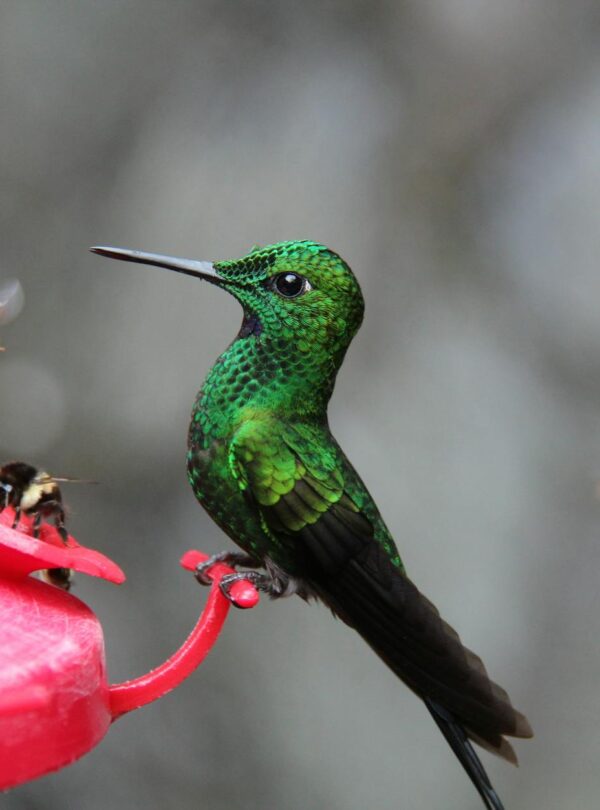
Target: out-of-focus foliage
450 151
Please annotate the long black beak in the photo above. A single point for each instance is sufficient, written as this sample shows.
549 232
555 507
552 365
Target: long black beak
190 267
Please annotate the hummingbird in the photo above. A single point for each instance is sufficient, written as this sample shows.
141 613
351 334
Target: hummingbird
262 461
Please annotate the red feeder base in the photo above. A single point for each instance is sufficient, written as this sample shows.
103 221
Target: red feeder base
57 706
55 702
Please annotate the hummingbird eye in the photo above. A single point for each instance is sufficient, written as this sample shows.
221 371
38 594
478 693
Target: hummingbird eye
291 285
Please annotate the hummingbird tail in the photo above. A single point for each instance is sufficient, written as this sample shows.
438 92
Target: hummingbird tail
457 739
407 632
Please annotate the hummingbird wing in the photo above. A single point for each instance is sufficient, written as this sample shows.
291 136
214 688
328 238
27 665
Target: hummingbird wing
306 492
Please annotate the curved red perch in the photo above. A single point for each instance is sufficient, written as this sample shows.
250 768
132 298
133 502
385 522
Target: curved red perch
132 694
55 702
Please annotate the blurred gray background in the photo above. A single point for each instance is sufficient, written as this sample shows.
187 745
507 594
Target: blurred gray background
450 151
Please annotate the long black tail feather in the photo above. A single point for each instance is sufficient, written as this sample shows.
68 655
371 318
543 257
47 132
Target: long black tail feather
458 741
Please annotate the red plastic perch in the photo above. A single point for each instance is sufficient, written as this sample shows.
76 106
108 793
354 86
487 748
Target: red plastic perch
132 694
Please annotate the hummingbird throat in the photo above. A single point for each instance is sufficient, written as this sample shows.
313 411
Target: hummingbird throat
265 373
251 325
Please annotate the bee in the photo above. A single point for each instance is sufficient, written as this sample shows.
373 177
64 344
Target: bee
59 577
34 492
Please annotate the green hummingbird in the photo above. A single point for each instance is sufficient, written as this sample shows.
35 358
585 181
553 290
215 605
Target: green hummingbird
263 462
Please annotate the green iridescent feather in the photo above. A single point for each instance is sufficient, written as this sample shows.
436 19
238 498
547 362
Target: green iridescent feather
243 410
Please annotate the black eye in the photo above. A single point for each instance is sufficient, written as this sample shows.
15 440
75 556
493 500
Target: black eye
291 285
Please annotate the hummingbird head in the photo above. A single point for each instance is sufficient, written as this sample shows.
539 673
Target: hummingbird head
301 293
302 307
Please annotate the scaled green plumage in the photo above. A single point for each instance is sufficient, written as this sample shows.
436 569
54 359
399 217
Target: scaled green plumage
263 462
259 424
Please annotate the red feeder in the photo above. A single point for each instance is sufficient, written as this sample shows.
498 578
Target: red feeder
55 702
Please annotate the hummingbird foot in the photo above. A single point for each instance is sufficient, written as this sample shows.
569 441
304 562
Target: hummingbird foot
262 582
231 558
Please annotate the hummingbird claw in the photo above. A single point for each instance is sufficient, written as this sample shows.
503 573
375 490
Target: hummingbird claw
201 572
231 558
262 582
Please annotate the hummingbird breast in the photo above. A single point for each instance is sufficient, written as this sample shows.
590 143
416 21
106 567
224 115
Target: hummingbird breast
218 412
253 381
